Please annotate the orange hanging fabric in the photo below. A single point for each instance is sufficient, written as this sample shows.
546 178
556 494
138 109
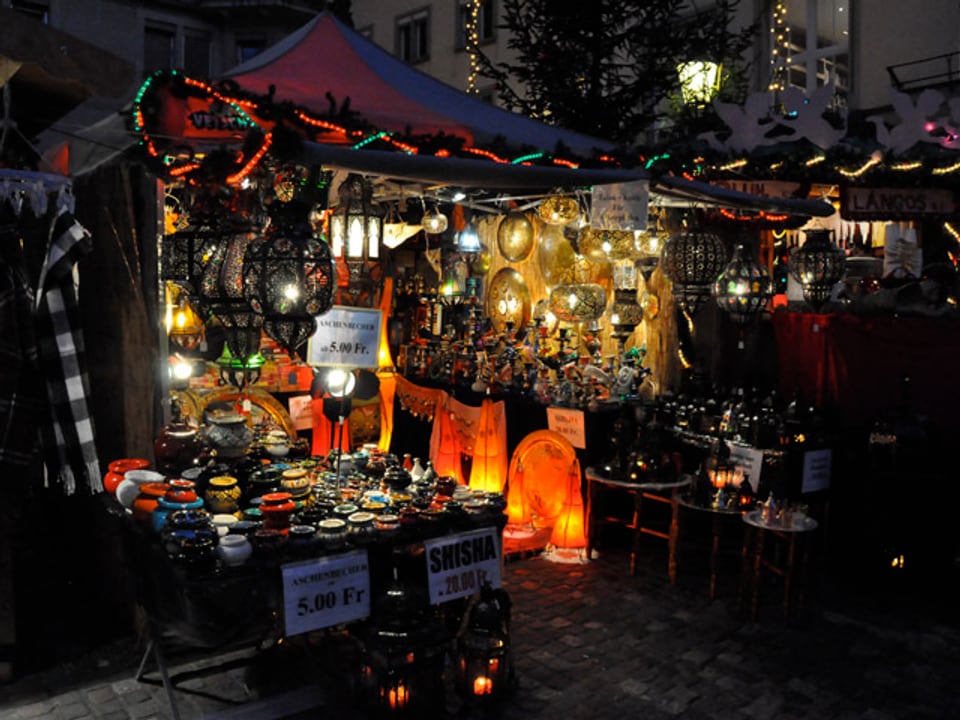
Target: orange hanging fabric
488 470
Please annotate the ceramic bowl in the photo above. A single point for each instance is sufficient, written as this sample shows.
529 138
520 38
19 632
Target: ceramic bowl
129 487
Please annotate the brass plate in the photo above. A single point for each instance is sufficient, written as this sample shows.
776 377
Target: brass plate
508 300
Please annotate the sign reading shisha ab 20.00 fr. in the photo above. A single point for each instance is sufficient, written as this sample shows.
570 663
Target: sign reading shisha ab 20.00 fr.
459 565
346 337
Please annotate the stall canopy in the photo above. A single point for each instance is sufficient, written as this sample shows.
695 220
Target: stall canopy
327 62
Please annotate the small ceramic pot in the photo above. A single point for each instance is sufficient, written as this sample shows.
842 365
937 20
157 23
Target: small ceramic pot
117 469
276 509
165 508
234 550
146 501
332 533
129 487
223 522
223 495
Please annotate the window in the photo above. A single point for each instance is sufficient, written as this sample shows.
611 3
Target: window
158 48
413 38
196 53
249 46
812 43
36 10
486 21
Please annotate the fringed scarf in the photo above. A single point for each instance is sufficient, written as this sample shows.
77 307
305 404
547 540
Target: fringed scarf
71 456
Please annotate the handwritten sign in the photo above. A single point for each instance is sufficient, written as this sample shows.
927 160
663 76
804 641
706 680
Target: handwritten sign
817 468
620 206
459 565
568 423
346 337
749 460
326 591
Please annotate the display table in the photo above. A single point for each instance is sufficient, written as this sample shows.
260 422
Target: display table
719 516
599 514
755 561
277 595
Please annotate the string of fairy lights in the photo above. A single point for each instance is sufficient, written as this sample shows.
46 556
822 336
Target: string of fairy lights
779 47
473 42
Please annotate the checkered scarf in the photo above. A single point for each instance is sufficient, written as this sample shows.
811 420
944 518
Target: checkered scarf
60 344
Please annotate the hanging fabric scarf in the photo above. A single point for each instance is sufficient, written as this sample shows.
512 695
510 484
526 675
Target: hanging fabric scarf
71 456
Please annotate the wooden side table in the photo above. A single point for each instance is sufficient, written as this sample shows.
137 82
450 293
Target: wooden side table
660 492
757 534
718 516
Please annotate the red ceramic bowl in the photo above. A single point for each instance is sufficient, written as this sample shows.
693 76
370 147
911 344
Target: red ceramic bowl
116 470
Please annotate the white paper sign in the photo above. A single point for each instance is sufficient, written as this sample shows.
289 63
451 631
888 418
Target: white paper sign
749 460
301 412
817 467
568 423
326 591
620 206
459 565
346 337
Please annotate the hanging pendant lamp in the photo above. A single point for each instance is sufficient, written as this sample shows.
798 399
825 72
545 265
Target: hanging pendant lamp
744 287
692 260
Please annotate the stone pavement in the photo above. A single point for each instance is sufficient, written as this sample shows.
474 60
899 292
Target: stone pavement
591 641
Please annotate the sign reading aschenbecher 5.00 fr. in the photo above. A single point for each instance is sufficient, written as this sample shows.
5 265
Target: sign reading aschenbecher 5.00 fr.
324 592
459 565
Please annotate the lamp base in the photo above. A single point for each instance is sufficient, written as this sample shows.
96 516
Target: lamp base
569 556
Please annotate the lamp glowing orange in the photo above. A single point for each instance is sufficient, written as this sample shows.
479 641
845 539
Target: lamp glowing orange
398 696
569 530
482 685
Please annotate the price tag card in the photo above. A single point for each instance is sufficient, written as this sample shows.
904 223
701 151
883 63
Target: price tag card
346 337
568 423
326 591
817 467
459 565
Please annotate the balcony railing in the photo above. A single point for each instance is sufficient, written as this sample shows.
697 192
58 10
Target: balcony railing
935 71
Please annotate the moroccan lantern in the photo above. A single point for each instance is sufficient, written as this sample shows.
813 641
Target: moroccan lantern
818 265
434 222
744 287
356 224
289 278
484 662
559 210
692 260
578 302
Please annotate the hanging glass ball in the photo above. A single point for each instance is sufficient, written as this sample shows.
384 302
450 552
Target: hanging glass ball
818 265
578 302
744 287
559 210
692 260
515 237
556 257
434 222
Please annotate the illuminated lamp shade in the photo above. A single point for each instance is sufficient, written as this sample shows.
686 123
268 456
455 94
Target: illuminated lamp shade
699 81
692 260
744 288
239 370
578 302
488 469
186 329
626 312
818 265
356 224
468 239
649 246
559 210
289 278
434 222
569 538
615 244
515 236
340 382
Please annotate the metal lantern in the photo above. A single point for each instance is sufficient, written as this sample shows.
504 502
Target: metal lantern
434 222
615 244
356 224
289 278
744 287
484 663
578 302
559 210
692 260
818 265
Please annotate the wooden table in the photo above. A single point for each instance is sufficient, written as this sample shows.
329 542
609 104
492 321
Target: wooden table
718 515
654 491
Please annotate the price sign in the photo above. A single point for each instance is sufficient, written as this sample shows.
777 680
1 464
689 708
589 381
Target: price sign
817 467
622 206
568 423
325 592
459 565
346 337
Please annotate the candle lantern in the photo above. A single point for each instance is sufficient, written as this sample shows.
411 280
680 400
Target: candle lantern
403 657
484 664
744 287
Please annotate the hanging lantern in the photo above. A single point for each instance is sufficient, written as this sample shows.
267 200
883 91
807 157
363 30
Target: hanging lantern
484 662
559 210
626 312
184 256
818 265
515 237
186 328
468 239
744 287
356 224
434 222
289 278
578 302
615 244
238 371
692 260
649 245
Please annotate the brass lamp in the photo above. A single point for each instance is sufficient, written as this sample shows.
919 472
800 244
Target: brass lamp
819 265
692 260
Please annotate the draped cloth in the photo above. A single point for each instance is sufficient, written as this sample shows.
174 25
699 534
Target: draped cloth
421 402
70 453
453 436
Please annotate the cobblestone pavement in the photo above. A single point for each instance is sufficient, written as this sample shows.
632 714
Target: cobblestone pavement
592 641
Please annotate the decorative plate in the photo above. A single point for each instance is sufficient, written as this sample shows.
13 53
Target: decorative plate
265 410
508 299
